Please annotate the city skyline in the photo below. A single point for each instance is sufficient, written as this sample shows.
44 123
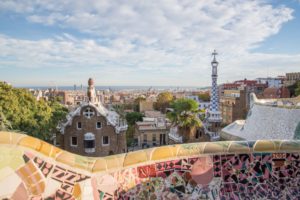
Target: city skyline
146 43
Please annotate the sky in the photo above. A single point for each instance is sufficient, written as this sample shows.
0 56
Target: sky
146 43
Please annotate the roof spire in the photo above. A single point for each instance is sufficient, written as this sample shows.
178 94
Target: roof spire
214 54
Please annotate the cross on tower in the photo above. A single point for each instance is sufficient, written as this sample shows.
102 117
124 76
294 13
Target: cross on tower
89 113
214 54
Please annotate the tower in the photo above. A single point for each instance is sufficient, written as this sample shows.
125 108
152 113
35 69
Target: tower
91 92
213 117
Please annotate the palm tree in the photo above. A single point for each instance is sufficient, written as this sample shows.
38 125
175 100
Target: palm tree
184 115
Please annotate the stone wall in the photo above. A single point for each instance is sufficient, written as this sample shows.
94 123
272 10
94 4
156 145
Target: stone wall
33 169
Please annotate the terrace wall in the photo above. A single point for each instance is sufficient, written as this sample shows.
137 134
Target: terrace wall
33 169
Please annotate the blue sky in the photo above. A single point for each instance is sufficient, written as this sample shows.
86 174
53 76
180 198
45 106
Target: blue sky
168 42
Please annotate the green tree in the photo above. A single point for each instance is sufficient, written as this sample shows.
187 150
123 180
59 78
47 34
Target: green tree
294 89
133 117
163 101
297 89
120 110
184 116
204 96
26 114
4 123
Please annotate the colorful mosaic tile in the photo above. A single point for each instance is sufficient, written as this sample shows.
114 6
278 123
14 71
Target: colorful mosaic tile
221 173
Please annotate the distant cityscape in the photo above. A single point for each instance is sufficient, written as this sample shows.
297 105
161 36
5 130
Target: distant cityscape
128 118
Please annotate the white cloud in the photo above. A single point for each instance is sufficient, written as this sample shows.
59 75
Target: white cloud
173 37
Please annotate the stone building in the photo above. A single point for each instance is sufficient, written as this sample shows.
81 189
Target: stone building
92 130
233 105
291 78
275 93
195 135
152 132
146 106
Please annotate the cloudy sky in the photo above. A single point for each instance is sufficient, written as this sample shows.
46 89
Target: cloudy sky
134 42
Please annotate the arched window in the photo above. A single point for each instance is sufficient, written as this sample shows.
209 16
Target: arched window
89 143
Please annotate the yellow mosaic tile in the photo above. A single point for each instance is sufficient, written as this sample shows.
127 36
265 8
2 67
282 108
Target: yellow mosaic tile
264 146
190 149
216 147
45 148
164 152
85 163
115 161
55 151
30 142
77 191
38 188
100 165
135 157
241 147
11 157
15 138
66 158
4 137
293 146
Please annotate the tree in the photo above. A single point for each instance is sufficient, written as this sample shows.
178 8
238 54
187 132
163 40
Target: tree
163 101
204 96
133 117
294 89
184 116
120 110
26 114
4 123
297 89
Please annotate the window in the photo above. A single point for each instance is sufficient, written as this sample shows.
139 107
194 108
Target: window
89 143
79 126
198 134
145 138
105 140
74 141
88 113
98 125
154 139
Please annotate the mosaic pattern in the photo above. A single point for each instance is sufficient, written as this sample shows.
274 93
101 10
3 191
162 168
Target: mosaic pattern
32 169
214 103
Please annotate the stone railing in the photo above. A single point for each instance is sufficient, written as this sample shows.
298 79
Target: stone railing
33 169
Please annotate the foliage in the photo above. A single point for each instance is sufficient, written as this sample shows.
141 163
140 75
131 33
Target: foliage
133 117
4 123
163 101
297 89
26 114
184 115
130 135
294 89
204 96
120 110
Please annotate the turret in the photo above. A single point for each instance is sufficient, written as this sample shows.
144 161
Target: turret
91 92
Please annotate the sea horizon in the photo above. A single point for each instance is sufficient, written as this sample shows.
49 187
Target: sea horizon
115 88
